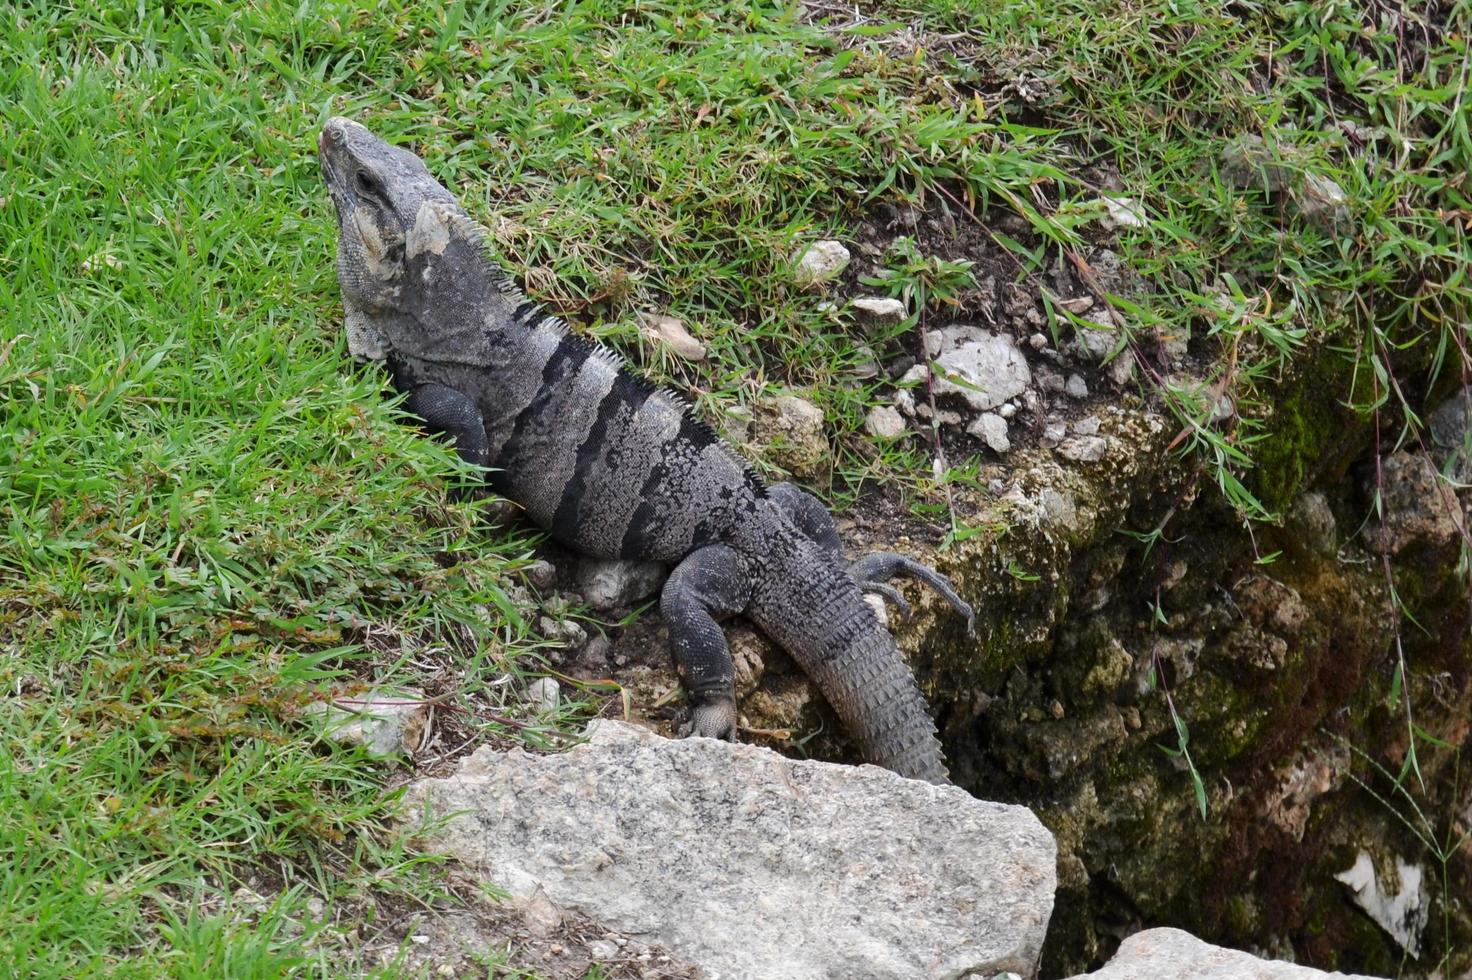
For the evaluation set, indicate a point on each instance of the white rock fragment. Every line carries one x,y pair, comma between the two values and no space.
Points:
991,429
603,949
942,415
614,583
1084,449
385,723
567,632
881,611
1096,342
1403,914
540,574
877,312
985,371
1037,341
545,693
1076,387
1008,411
97,262
899,878
1086,426
670,332
867,365
1054,433
1059,509
1122,212
883,422
1122,368
1322,201
820,262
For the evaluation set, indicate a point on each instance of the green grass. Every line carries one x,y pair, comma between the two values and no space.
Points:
205,506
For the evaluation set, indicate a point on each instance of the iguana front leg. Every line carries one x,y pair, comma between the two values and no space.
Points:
872,572
446,410
709,585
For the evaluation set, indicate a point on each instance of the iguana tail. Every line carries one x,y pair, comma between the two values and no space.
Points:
805,601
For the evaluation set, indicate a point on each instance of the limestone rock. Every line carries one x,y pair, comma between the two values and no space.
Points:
1451,421
1096,343
567,632
1084,449
1313,525
820,262
614,583
878,312
545,693
884,423
1122,212
670,332
751,864
790,430
1323,202
991,429
985,369
385,723
1247,161
1400,908
1451,425
1181,956
1418,507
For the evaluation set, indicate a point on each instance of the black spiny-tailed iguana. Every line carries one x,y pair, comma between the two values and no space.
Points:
610,464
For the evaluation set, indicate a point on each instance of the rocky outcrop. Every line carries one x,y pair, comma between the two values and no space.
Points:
1181,956
751,864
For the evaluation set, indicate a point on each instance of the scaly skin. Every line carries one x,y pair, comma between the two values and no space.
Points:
611,465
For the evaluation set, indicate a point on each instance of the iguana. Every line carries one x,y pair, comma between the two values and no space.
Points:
611,464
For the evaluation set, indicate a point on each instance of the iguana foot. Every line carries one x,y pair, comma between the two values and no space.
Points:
709,585
713,717
873,572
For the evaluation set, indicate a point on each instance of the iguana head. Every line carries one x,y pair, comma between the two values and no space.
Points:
379,191
413,266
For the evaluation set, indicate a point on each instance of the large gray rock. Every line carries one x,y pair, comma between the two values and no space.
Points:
1181,956
751,864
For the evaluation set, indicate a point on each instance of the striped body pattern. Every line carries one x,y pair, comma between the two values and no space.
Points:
612,465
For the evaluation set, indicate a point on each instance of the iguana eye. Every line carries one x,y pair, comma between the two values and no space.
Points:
368,184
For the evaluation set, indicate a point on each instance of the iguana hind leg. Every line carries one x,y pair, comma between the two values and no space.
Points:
709,585
809,514
873,571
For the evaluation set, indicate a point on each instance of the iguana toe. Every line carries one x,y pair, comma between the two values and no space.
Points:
713,718
889,594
